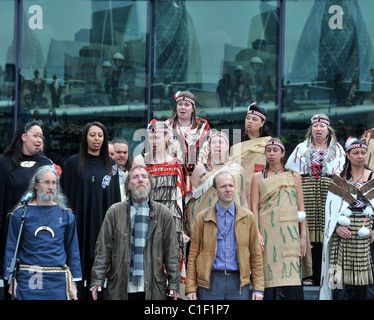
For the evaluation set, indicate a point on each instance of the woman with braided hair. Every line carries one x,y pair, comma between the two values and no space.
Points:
277,203
316,159
347,264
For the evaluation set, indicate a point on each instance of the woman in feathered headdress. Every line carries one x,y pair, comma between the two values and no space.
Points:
347,264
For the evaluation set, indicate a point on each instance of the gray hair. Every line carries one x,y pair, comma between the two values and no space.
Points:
127,182
60,197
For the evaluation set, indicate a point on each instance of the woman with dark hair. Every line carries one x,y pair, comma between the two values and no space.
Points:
347,264
90,181
250,152
21,159
277,203
189,131
316,159
255,123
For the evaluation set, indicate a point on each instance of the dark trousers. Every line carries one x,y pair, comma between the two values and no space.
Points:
224,287
284,293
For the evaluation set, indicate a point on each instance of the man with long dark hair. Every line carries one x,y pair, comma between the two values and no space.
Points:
90,181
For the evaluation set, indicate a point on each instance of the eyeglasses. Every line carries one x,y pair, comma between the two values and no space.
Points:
35,136
48,182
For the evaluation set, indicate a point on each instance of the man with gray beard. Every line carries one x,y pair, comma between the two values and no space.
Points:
136,250
48,254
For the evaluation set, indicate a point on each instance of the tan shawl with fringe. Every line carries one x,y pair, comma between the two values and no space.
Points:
278,222
250,155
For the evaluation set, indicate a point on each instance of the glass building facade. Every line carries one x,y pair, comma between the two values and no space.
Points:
69,62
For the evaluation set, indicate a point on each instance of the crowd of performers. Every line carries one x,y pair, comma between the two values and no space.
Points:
313,209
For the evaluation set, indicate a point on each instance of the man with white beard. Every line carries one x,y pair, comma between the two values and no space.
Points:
48,254
136,250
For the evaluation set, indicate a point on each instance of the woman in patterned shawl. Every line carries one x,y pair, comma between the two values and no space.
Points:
347,264
316,160
189,131
277,203
169,180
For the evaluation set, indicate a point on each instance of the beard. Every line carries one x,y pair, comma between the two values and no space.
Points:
142,193
46,196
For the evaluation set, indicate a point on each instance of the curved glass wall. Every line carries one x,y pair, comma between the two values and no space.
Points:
83,61
224,52
329,67
121,62
7,73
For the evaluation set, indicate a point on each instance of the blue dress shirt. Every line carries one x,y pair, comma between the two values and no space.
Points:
226,241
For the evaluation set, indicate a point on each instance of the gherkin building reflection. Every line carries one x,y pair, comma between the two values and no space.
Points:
324,53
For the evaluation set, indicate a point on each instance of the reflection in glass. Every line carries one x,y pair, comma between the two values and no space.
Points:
224,52
7,73
83,61
329,69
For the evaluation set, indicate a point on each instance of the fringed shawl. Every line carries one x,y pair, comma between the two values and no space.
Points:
203,197
300,159
250,155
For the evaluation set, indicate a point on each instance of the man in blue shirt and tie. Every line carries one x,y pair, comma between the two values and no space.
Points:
225,249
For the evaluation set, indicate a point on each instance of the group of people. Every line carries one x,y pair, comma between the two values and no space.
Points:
191,217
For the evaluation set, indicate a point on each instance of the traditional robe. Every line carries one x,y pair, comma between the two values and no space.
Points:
40,249
250,155
90,195
13,184
315,186
170,189
278,222
190,149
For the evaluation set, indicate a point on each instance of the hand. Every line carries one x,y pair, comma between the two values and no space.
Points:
191,296
186,238
303,246
95,290
257,296
262,243
371,235
174,294
343,232
10,291
74,290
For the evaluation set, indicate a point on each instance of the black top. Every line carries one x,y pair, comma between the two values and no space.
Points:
90,195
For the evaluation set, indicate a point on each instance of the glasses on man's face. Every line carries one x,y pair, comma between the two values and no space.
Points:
36,136
48,182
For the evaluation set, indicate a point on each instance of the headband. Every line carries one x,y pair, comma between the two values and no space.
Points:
316,118
219,134
257,113
352,143
275,143
183,98
156,129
